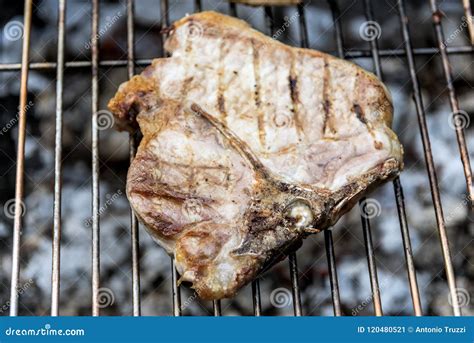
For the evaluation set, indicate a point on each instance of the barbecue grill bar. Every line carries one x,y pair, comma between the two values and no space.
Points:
424,135
366,229
352,54
95,160
397,187
133,151
58,161
95,64
462,150
469,19
20,160
175,291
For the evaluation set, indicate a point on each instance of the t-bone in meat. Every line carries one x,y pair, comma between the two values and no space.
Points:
248,146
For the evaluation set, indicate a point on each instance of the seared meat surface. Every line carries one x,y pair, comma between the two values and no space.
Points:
248,146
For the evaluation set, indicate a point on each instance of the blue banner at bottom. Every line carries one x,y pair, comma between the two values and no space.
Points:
237,329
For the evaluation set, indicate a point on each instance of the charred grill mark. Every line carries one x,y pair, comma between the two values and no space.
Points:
187,85
293,87
162,225
151,176
256,68
285,150
257,95
189,50
356,93
327,110
221,106
358,88
294,94
202,167
220,84
150,193
359,113
327,103
190,176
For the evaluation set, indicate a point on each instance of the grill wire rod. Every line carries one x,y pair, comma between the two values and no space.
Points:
56,254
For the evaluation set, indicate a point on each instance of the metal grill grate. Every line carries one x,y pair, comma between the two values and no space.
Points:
130,63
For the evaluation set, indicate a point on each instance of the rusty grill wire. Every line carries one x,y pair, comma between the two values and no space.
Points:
130,63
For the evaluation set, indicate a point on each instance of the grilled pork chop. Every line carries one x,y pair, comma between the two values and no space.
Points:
248,146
